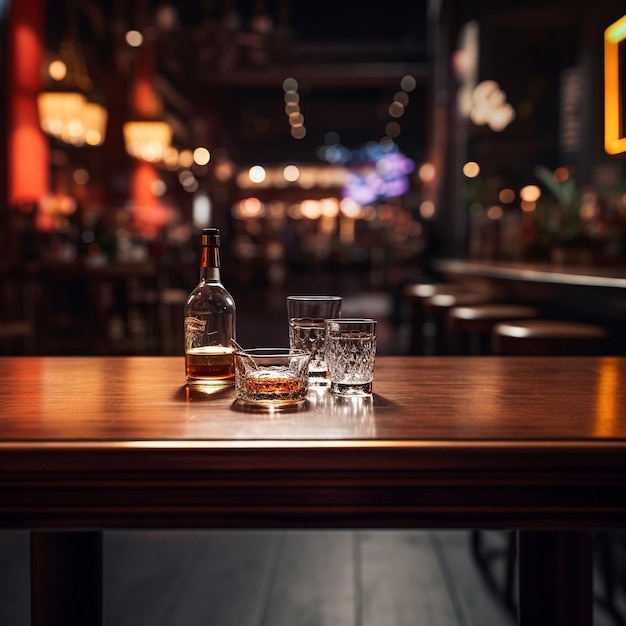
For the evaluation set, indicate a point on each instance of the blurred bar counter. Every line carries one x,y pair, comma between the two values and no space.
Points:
82,308
593,294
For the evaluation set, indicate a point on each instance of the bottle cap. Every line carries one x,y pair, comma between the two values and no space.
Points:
210,236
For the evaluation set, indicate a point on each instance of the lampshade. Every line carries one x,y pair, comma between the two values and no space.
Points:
95,121
59,110
147,140
65,112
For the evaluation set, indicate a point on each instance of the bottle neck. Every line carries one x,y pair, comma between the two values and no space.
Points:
210,264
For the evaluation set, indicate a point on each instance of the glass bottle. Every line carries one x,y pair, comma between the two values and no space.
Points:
209,321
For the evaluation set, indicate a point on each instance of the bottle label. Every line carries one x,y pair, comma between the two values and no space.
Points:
194,325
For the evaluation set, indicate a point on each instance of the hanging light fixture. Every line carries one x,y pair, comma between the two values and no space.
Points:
147,136
65,112
147,140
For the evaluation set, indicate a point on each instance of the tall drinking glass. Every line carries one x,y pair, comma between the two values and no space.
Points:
307,315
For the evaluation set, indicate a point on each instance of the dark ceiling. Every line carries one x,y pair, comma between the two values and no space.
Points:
220,66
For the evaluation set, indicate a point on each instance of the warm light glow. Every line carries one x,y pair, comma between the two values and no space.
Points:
296,119
142,177
304,177
256,174
427,209
57,110
58,204
494,212
330,207
27,159
501,117
396,109
158,187
530,193
147,140
134,38
65,111
506,196
311,209
607,404
94,123
224,171
614,139
57,70
561,174
308,178
471,169
527,206
350,208
250,207
80,176
191,184
489,106
201,156
426,172
170,158
291,173
188,181
67,115
185,158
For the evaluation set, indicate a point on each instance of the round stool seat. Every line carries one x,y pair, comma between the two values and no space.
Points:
438,305
482,317
416,294
443,302
420,291
548,337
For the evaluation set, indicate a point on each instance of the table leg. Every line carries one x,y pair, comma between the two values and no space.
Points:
555,578
66,578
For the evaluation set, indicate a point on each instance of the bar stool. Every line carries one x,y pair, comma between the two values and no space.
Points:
437,307
470,326
548,337
416,294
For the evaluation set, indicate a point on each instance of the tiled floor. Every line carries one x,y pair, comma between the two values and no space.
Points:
278,578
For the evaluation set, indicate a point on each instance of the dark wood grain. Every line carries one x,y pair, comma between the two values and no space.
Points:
445,442
526,443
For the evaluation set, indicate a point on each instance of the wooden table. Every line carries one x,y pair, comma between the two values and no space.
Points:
537,445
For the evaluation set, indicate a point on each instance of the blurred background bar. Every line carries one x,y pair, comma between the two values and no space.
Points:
339,147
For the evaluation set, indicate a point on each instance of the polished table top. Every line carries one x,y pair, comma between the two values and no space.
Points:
452,442
106,400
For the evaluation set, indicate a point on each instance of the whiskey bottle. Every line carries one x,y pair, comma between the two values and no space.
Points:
209,321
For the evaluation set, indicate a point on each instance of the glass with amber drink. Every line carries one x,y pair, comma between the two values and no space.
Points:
271,376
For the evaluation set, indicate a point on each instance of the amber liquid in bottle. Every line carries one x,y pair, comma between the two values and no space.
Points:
209,321
210,362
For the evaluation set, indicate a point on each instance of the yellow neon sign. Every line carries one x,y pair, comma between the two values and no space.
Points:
614,141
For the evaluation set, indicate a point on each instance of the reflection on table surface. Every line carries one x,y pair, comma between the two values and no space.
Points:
422,398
